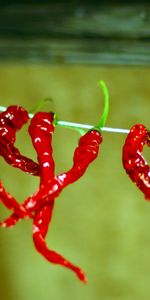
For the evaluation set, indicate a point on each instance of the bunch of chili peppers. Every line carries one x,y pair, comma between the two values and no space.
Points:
39,206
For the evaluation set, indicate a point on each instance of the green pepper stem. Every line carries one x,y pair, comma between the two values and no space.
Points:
40,104
104,116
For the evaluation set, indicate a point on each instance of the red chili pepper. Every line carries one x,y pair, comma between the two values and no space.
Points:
44,199
134,163
11,121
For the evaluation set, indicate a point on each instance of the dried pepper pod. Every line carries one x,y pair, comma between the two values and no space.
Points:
11,121
133,161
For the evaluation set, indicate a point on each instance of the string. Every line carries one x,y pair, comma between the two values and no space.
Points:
73,125
87,126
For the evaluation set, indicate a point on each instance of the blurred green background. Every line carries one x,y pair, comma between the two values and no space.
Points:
101,222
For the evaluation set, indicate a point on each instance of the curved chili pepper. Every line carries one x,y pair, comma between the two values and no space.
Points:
134,163
41,129
11,121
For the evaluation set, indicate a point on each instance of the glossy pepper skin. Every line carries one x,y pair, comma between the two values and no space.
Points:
133,161
40,205
11,121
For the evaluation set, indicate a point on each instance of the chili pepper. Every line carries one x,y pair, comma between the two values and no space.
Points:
41,135
85,153
133,161
11,121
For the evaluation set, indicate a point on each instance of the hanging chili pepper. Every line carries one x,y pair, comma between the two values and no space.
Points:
133,161
11,121
42,137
